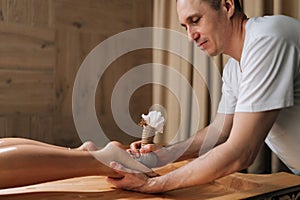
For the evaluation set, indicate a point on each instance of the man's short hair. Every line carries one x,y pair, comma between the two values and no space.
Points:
216,4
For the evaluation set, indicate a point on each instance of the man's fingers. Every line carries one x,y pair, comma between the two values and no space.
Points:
119,168
131,180
149,148
133,154
135,149
121,182
135,146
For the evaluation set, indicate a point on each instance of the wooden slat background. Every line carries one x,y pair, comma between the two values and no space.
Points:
42,44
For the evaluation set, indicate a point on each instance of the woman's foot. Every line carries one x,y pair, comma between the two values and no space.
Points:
88,146
115,152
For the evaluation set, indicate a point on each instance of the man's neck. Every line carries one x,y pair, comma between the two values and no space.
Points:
236,43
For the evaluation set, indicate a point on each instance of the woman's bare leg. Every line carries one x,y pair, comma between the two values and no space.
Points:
4,142
32,163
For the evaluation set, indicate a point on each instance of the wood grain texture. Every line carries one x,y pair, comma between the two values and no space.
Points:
235,186
43,43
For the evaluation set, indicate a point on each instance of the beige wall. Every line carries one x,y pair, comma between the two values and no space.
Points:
269,7
42,44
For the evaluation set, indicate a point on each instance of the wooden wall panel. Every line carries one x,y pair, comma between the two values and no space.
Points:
41,128
140,101
77,34
26,47
68,62
3,132
27,60
30,12
43,43
17,126
101,16
26,92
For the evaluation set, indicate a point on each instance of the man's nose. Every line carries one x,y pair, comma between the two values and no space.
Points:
193,35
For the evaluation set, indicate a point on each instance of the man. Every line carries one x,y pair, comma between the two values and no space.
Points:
260,96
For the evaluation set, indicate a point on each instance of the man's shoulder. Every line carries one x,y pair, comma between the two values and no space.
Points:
273,26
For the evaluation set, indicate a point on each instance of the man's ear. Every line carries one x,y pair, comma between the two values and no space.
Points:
230,7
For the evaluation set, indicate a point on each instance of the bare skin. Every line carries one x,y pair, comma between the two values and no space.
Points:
87,146
240,134
35,162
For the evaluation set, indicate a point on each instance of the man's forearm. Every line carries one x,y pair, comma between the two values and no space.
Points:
189,148
201,142
219,162
197,144
180,151
207,138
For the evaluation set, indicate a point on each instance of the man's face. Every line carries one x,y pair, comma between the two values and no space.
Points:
205,25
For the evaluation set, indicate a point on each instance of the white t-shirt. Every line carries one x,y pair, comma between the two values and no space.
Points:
267,78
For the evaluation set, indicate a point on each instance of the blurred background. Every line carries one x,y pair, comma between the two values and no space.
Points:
44,42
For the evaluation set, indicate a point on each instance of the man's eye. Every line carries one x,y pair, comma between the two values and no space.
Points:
195,20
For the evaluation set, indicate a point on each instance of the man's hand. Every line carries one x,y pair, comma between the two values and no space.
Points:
131,179
136,148
162,153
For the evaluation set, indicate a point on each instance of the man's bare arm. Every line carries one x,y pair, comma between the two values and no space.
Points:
217,132
248,133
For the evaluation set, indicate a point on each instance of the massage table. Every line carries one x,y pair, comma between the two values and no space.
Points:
281,186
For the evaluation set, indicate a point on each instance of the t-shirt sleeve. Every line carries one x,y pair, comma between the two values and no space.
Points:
228,99
267,77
